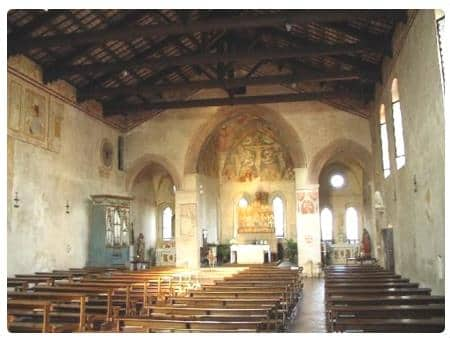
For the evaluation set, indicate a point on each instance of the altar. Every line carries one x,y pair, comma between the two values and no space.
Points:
249,253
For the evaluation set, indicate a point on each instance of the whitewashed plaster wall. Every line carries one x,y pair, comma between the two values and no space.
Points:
41,236
208,211
417,217
144,211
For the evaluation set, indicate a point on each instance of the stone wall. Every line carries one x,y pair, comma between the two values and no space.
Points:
414,195
53,158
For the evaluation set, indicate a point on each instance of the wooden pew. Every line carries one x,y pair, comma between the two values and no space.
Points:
80,297
35,305
159,325
376,292
92,291
369,285
388,311
389,325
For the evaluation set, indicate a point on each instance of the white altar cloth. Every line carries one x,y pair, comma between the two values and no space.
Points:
249,253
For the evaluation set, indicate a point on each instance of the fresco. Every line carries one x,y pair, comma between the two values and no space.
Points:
243,149
308,202
257,154
33,117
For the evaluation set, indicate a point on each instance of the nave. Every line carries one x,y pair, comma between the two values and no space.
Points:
207,170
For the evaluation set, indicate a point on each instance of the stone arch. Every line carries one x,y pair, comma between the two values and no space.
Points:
287,137
340,149
141,163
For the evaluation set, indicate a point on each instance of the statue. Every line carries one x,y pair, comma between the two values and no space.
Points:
211,259
140,248
365,244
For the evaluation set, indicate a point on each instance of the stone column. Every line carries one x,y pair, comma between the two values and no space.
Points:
187,232
308,222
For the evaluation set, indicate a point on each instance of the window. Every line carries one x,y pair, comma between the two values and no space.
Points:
326,224
243,202
278,216
351,224
337,181
398,127
384,143
167,223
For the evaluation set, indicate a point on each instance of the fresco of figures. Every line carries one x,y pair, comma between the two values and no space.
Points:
243,149
257,154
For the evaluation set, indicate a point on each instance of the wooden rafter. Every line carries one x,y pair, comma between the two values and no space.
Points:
90,93
110,110
209,58
241,22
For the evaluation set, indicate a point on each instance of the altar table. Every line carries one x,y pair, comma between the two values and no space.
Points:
249,253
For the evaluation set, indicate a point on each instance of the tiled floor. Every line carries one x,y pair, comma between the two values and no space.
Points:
310,316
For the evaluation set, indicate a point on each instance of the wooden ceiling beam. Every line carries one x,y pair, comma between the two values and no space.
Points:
357,63
63,61
114,109
41,18
377,43
233,22
208,58
91,93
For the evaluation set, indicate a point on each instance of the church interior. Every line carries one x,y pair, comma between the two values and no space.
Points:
225,170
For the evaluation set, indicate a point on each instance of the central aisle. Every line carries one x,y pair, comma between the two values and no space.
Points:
310,315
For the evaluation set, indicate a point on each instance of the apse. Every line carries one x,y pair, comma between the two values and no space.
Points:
244,157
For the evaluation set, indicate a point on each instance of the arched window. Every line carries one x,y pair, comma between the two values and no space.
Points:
326,224
278,216
384,143
351,224
167,223
243,202
400,157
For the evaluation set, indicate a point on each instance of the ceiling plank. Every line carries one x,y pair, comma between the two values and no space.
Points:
65,60
90,93
208,58
110,110
41,18
239,22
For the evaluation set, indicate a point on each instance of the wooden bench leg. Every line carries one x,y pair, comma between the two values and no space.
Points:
45,320
82,325
109,306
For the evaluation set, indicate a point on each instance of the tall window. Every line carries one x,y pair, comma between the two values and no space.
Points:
384,143
278,216
326,224
167,223
243,203
398,127
351,224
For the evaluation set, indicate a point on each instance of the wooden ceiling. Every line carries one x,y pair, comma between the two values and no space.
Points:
138,63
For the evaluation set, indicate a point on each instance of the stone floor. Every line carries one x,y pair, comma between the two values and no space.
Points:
310,312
